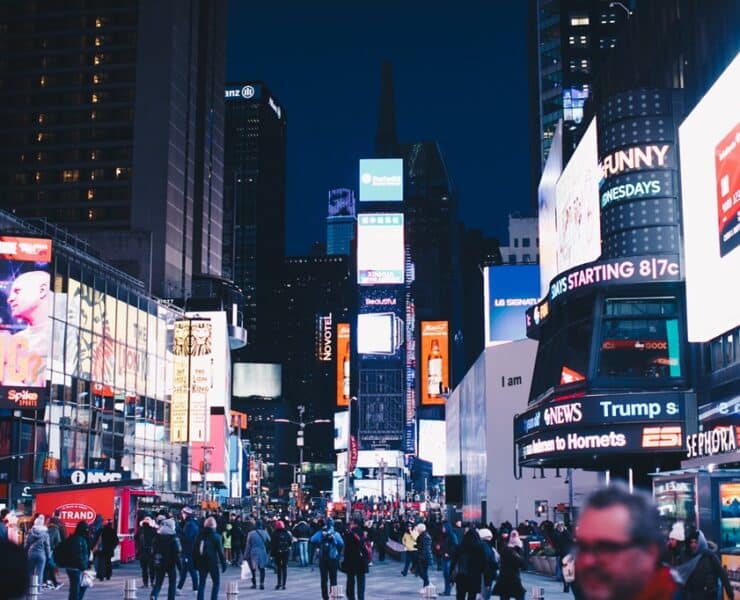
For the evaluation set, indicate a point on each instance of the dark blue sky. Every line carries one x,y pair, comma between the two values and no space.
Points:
460,77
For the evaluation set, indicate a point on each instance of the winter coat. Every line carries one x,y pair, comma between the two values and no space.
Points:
467,564
168,545
509,581
82,553
409,542
424,544
277,536
448,541
302,531
355,555
145,541
188,534
237,537
108,540
490,569
256,551
55,536
381,533
561,542
208,550
227,538
319,535
37,542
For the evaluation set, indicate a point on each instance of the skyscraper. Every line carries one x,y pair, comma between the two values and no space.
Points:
112,125
341,222
254,207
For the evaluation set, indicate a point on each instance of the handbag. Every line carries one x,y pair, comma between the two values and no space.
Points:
246,571
87,578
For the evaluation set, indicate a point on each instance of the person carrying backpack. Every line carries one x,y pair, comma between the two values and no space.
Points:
166,555
356,560
189,531
208,555
144,540
256,552
73,554
425,556
330,545
282,542
491,563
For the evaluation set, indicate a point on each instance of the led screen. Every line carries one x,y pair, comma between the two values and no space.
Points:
25,321
434,361
508,291
258,380
577,205
380,252
375,333
432,445
546,211
343,364
381,180
341,430
710,179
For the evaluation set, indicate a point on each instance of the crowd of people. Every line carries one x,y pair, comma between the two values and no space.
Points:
617,552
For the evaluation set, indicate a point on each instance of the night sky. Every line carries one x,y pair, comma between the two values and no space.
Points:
460,77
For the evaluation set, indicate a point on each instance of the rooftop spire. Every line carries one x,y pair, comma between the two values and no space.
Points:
386,142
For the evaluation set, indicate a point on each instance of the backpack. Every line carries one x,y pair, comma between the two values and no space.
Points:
285,542
66,554
329,546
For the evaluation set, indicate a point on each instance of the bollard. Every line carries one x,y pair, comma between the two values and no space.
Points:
232,590
538,593
33,591
335,592
129,589
430,591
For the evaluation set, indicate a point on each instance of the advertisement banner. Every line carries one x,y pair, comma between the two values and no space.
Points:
341,430
324,338
546,210
381,180
380,249
435,363
508,290
343,364
180,382
710,195
25,324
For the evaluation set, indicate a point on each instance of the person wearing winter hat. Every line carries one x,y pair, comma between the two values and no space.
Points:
280,546
166,556
144,541
492,560
38,548
425,556
210,556
675,552
509,583
702,571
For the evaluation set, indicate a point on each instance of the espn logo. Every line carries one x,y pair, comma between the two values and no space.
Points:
662,437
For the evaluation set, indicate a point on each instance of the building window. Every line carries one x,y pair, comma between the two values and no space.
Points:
90,194
516,242
526,242
527,258
70,175
579,20
512,259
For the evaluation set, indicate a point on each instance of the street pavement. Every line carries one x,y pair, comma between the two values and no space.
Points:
383,582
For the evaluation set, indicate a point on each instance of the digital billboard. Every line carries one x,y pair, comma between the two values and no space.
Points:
343,364
508,291
379,333
380,249
25,323
324,338
381,180
710,180
341,430
546,211
435,361
433,445
257,380
577,210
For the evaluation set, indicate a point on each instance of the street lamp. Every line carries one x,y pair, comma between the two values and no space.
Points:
622,6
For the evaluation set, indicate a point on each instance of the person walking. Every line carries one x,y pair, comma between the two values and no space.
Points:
466,565
107,546
424,556
78,559
166,555
562,542
144,541
55,538
448,546
409,544
280,547
492,561
226,537
675,552
356,560
258,541
189,531
302,533
381,538
702,572
237,542
330,545
208,557
38,549
509,583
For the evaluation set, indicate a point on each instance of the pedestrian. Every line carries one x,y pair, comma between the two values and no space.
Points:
330,545
226,537
208,556
466,566
55,538
562,542
94,536
166,556
107,546
702,571
509,582
448,545
13,571
258,541
38,549
424,554
302,533
189,531
4,524
492,561
381,538
280,552
356,560
618,546
675,552
144,541
237,542
409,544
56,520
78,559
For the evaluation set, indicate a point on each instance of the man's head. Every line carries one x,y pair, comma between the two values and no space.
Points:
618,544
28,297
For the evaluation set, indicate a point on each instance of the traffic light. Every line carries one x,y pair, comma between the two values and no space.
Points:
541,508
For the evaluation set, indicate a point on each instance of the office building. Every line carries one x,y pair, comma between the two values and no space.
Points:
254,208
524,241
112,126
341,222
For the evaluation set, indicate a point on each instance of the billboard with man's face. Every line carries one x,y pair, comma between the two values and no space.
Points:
25,323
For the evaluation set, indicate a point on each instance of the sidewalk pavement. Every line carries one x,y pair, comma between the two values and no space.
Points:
384,582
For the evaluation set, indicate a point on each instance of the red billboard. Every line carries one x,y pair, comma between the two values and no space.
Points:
435,379
343,355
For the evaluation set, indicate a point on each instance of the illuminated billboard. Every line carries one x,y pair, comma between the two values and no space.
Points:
324,338
433,445
577,211
25,323
508,290
343,364
435,361
381,180
710,179
380,250
379,333
546,211
257,380
341,430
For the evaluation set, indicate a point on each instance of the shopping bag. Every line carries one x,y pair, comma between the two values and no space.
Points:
87,578
246,570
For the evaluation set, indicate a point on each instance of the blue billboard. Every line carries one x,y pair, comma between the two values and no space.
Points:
381,180
508,291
